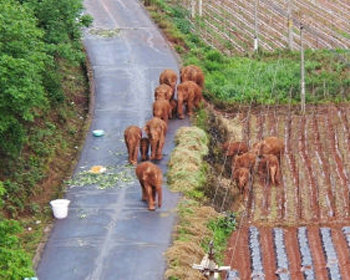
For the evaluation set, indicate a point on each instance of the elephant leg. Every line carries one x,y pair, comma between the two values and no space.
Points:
190,107
180,109
160,195
129,152
153,149
144,193
151,206
154,193
273,176
278,177
160,148
135,151
132,156
165,116
170,113
245,192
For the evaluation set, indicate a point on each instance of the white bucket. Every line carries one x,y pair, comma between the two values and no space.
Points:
60,208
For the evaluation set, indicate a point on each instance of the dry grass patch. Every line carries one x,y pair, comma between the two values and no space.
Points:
191,232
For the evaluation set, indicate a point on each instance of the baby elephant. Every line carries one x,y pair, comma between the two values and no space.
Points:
163,91
192,73
241,176
270,145
156,130
169,78
269,168
162,109
234,148
144,147
150,177
246,160
132,137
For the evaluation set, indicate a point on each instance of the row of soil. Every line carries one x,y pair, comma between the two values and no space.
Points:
315,167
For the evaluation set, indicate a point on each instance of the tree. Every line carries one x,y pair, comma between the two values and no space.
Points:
22,64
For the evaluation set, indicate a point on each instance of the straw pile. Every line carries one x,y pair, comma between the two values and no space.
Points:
185,168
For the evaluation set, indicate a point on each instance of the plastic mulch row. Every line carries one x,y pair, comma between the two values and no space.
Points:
306,257
281,255
255,254
331,255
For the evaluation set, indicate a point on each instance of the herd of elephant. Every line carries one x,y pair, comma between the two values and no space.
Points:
266,153
265,157
165,107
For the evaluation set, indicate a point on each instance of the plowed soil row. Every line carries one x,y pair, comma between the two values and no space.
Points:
315,167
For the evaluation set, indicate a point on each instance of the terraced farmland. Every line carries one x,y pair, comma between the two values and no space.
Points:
299,229
229,24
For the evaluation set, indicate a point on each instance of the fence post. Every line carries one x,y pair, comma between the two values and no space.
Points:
193,11
256,30
200,8
302,93
290,24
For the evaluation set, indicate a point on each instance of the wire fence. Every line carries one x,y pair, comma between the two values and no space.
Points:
230,24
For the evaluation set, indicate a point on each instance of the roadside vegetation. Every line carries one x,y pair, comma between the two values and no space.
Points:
43,111
256,78
199,222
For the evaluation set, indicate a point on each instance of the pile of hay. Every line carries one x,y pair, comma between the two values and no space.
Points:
191,232
185,167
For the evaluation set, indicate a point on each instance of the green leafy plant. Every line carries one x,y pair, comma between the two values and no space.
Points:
222,228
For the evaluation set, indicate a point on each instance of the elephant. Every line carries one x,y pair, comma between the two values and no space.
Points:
246,160
150,177
270,145
144,146
234,148
241,176
132,137
163,91
192,73
156,130
162,110
188,93
169,77
269,168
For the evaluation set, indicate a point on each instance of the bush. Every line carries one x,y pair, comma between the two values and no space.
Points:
15,263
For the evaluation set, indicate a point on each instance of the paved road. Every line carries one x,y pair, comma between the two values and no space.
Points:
109,234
